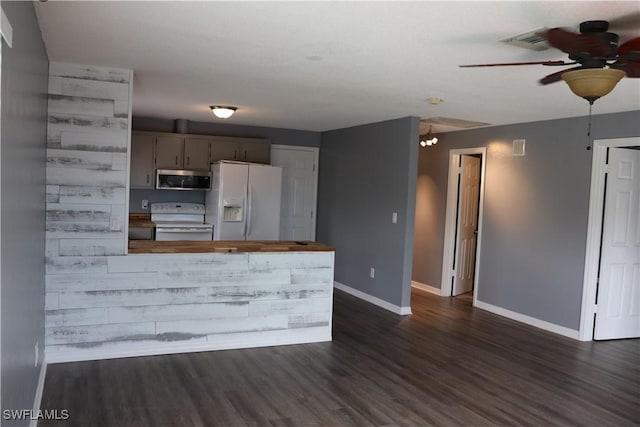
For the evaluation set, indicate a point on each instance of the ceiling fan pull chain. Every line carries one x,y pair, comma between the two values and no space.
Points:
589,129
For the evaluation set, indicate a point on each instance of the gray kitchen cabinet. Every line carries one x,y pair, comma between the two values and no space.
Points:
254,150
142,170
196,153
169,151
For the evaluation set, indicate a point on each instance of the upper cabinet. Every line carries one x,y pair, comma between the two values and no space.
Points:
142,168
253,150
158,150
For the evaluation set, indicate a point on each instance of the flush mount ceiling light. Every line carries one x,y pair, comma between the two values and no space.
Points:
223,111
428,140
592,83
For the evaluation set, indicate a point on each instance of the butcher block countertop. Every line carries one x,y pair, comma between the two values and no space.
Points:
142,220
191,246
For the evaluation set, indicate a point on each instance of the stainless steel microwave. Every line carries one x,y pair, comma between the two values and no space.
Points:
181,179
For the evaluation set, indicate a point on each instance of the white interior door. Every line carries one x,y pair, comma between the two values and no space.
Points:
618,312
299,180
467,228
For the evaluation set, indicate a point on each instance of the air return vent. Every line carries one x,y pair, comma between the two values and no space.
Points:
533,40
518,147
451,122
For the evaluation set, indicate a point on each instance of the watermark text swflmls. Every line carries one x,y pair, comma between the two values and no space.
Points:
30,414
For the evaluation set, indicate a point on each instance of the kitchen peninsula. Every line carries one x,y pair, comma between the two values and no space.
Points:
181,296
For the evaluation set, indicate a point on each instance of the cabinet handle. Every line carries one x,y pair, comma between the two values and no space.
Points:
147,178
235,154
245,154
176,160
188,160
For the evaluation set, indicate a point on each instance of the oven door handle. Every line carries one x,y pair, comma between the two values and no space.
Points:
181,230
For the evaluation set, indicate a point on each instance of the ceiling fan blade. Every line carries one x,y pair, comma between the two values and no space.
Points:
629,46
509,64
631,68
574,43
555,77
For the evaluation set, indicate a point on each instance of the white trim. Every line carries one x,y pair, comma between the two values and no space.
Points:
532,321
594,230
316,162
228,342
403,311
450,219
6,31
125,220
37,401
426,288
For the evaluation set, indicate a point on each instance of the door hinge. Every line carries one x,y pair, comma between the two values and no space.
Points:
311,214
314,167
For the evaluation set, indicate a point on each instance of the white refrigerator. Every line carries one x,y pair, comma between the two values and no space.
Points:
244,201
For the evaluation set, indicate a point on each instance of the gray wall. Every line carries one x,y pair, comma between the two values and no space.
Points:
24,121
535,213
367,173
276,135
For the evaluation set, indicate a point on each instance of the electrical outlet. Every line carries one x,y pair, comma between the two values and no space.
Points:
394,218
372,272
35,362
145,204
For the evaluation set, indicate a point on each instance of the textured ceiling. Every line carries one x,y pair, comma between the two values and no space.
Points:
327,65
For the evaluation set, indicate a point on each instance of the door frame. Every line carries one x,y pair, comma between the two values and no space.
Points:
594,230
316,168
453,193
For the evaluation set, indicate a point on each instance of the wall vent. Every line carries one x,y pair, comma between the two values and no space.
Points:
451,122
533,40
518,147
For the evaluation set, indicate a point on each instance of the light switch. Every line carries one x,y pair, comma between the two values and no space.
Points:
145,204
394,218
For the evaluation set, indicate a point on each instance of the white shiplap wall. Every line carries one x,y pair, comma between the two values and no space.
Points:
102,303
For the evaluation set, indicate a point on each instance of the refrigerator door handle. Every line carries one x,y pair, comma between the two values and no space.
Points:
249,212
245,219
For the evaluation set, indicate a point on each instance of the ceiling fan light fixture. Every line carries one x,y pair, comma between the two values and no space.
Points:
223,111
592,83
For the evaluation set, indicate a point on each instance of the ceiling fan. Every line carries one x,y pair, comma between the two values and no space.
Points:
594,48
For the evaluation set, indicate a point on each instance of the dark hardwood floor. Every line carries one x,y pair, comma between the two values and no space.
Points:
446,365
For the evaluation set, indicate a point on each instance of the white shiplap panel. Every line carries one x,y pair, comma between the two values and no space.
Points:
101,282
90,247
53,193
295,306
75,265
77,194
89,72
258,292
87,124
262,261
121,108
89,141
312,275
97,178
173,262
51,248
130,298
80,105
77,213
95,89
119,162
80,159
76,317
178,312
100,333
309,320
177,278
63,230
51,300
55,85
223,326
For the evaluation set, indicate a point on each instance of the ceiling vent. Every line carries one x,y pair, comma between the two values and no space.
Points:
533,40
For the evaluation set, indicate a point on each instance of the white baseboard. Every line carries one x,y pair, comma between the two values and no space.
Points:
37,400
403,311
532,321
426,288
222,342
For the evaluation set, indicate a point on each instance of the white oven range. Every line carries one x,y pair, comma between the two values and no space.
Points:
180,221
